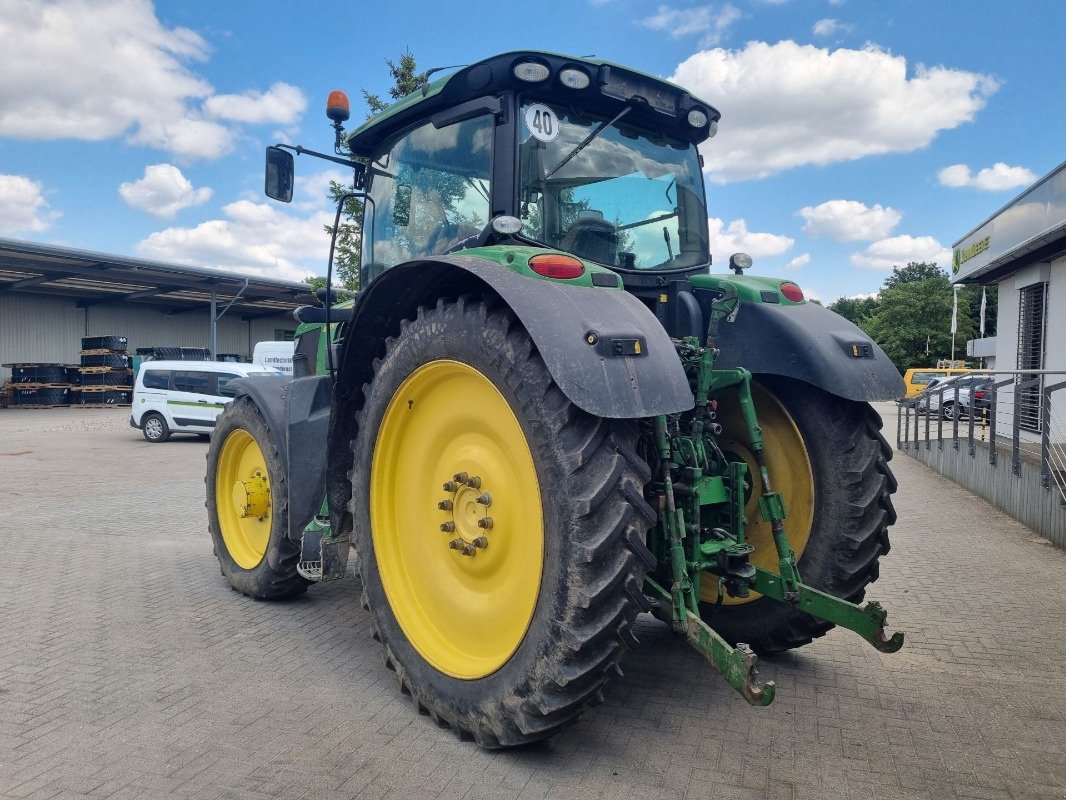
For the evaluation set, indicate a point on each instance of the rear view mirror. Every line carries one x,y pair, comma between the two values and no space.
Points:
280,173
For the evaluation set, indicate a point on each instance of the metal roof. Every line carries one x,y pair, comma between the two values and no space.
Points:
95,278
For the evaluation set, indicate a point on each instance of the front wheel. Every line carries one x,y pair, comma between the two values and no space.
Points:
247,506
500,529
827,458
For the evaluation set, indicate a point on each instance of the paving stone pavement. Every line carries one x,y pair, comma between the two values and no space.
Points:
128,669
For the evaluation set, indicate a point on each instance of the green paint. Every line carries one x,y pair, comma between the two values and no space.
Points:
195,404
748,287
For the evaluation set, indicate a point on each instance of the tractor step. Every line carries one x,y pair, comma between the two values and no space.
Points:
311,570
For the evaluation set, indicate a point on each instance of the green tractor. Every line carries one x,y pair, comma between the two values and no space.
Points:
543,414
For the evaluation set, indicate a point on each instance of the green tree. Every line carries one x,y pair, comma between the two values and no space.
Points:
912,322
856,309
405,79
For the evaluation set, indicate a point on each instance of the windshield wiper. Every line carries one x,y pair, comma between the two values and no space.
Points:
585,142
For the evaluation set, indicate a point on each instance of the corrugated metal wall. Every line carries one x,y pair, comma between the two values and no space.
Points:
39,327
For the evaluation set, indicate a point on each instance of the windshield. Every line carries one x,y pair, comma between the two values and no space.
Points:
621,198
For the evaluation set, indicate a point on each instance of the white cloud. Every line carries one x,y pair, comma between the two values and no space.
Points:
281,104
22,205
849,220
102,69
678,22
736,238
256,237
828,27
898,251
991,179
798,262
785,105
163,191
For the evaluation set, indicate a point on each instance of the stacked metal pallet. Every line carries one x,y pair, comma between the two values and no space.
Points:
40,385
105,376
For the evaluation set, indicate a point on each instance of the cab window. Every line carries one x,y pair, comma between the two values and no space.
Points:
157,379
196,382
430,193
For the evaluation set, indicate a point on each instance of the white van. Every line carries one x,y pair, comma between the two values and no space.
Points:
274,355
184,396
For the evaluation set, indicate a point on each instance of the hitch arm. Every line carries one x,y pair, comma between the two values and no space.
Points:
738,665
868,621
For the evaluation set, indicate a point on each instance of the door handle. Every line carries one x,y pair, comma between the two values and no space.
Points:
202,401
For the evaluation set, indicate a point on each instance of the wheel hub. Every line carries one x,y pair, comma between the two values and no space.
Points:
467,509
251,498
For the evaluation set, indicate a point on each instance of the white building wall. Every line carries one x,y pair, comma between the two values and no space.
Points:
45,328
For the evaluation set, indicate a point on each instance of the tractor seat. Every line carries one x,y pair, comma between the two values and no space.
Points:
592,237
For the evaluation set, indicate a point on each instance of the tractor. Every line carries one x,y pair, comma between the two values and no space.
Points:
543,414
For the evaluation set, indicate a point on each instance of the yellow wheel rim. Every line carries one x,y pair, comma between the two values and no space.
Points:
790,474
242,498
449,455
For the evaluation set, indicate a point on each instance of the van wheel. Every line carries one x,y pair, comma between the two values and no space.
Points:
154,428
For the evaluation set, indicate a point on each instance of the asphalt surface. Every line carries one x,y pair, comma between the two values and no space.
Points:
128,669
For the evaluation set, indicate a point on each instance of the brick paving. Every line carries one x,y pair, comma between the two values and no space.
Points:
129,670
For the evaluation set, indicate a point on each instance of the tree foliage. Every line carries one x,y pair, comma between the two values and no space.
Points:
405,79
856,309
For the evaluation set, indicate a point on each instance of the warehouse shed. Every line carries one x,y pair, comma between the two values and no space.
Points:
51,297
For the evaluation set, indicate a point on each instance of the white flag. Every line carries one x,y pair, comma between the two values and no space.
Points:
984,305
955,311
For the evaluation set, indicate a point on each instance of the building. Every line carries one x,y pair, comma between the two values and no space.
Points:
1021,249
50,297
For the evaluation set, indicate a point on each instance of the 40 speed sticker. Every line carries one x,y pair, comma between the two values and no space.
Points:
542,122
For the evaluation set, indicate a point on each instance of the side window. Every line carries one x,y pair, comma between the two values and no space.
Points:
157,379
430,191
198,382
223,384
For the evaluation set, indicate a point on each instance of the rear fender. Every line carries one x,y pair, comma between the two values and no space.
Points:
812,344
559,318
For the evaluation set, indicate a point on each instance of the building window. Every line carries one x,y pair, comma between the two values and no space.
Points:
1032,320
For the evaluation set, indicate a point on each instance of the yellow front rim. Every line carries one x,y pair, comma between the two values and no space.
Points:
790,474
242,498
451,454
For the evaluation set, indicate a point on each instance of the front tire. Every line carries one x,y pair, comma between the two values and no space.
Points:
247,506
837,488
509,639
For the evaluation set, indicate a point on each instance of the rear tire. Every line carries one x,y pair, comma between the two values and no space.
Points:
593,521
154,428
262,564
849,528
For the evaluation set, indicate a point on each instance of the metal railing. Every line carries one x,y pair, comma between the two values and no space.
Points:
1023,410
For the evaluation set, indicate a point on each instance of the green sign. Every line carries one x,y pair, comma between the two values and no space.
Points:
959,256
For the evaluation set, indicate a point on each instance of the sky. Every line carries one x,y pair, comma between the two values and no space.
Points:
855,135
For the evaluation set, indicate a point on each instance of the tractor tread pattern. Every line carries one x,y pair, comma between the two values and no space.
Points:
608,555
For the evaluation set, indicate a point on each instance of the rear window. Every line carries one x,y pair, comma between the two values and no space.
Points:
157,379
198,382
223,384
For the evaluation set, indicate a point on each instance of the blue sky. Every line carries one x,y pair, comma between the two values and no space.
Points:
855,135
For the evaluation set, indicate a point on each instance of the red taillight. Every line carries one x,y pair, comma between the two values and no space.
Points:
792,291
553,265
980,394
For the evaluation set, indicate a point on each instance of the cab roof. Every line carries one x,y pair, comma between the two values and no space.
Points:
656,103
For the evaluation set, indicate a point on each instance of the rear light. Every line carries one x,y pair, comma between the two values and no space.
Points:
792,291
553,265
980,394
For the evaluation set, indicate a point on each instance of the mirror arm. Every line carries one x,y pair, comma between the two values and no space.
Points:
304,151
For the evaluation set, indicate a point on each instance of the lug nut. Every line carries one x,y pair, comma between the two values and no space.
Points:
445,505
480,541
485,499
451,486
469,550
455,544
460,477
485,522
474,483
447,527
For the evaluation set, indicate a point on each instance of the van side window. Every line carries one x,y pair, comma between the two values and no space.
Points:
223,384
198,382
157,379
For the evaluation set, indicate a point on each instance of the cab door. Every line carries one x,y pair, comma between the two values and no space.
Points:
193,403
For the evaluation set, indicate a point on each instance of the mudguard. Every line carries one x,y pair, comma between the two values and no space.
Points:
812,344
297,414
604,348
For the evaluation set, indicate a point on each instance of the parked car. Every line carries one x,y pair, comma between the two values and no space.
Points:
919,379
939,396
184,396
